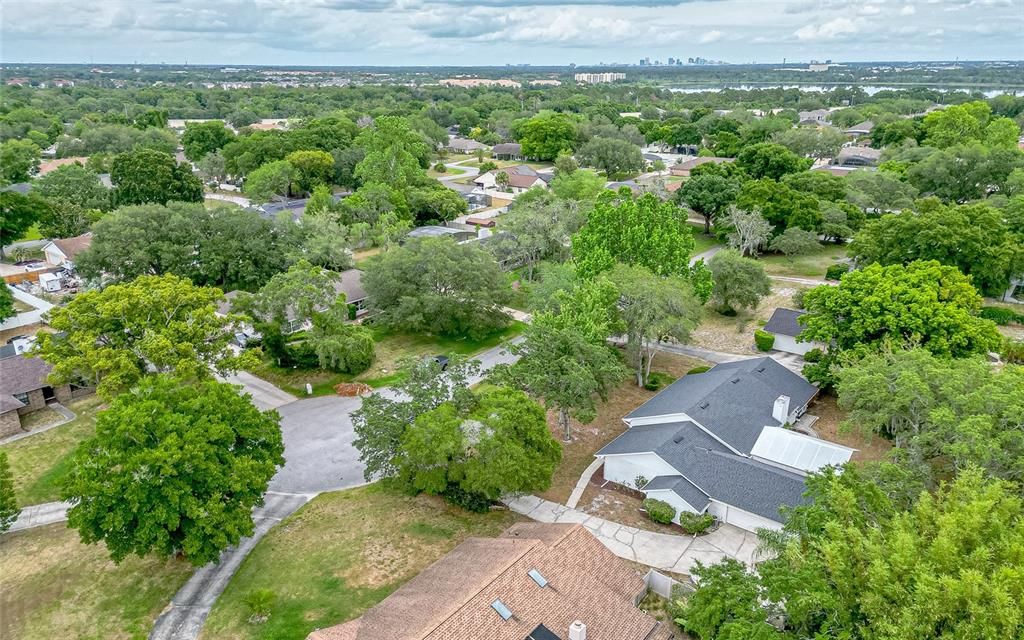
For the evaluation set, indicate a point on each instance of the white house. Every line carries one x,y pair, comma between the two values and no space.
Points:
784,326
62,251
715,442
521,178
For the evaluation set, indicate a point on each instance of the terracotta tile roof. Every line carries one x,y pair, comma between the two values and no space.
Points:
451,599
49,165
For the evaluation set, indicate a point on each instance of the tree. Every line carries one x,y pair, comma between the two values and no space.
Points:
312,168
811,142
794,241
822,184
739,281
922,302
17,215
581,186
536,231
393,153
8,503
653,310
143,175
750,231
325,243
66,219
382,420
839,221
565,164
339,345
501,445
965,172
611,155
781,205
767,160
243,118
546,134
212,167
709,195
956,124
645,231
436,204
74,183
271,180
173,469
201,138
7,309
111,338
294,296
728,605
437,286
879,191
19,159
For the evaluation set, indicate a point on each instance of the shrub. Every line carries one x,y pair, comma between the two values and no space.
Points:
1001,316
1013,351
658,380
440,168
696,370
798,298
259,602
488,166
814,355
475,502
695,523
836,271
640,481
659,510
353,310
764,340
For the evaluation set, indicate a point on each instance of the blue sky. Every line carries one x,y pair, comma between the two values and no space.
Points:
495,32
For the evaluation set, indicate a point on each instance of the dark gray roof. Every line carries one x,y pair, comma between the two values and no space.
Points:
18,187
661,483
783,322
682,488
513,148
641,438
734,400
21,374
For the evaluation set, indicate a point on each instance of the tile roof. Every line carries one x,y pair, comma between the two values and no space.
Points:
784,322
451,599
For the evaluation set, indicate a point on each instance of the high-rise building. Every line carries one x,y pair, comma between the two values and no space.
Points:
671,61
643,62
598,78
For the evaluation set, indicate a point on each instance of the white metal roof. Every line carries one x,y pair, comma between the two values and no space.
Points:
797,450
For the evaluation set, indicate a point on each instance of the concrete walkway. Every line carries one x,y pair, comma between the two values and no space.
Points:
581,484
705,255
677,553
184,617
40,515
39,306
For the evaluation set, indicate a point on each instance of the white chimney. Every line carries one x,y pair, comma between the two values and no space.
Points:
577,631
781,409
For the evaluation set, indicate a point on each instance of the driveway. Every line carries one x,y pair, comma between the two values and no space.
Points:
263,394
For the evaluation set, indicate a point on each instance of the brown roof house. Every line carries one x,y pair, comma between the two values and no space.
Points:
538,581
62,251
24,389
521,178
684,168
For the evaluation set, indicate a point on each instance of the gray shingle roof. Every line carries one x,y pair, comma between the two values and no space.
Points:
21,374
734,400
641,438
783,322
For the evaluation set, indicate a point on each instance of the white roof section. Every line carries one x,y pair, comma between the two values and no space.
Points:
798,451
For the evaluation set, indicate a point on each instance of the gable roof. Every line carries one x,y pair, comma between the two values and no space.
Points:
21,374
696,162
351,284
507,148
734,400
784,322
865,126
466,144
71,247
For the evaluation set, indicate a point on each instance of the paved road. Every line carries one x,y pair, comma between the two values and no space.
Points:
705,255
264,395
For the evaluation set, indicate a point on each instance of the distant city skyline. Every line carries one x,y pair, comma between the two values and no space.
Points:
498,32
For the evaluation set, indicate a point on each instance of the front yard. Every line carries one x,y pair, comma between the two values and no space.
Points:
56,587
736,334
809,266
341,554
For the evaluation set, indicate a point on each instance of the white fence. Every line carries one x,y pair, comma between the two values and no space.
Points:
665,586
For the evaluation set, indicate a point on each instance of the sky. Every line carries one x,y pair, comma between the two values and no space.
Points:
498,32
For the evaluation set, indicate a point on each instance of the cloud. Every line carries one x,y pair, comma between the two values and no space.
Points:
870,10
828,31
711,36
908,10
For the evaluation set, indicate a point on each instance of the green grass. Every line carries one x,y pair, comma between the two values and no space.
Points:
809,266
32,233
449,171
341,554
390,348
703,242
40,462
56,587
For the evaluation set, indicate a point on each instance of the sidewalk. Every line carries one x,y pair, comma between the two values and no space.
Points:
40,515
663,551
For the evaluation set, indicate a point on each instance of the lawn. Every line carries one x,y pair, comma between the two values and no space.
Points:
809,266
56,587
390,348
449,171
40,462
341,554
703,242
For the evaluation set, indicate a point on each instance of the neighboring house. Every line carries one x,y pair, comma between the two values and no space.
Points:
62,251
24,389
508,151
536,582
465,145
784,326
684,168
862,129
436,231
858,157
629,184
521,178
47,166
815,117
715,442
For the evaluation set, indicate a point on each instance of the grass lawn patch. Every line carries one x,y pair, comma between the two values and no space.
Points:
341,554
703,242
449,171
587,439
809,266
40,462
735,334
363,256
56,587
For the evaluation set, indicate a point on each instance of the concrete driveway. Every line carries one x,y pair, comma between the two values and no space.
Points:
263,394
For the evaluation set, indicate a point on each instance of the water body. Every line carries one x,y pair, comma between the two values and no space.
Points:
871,90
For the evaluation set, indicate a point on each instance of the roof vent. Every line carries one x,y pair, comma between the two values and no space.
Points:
502,610
577,631
760,369
734,380
703,404
679,437
538,578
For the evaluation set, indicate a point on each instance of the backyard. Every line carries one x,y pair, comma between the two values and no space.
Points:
341,554
735,334
808,266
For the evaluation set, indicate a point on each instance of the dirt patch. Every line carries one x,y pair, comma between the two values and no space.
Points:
352,389
606,502
736,334
381,562
830,417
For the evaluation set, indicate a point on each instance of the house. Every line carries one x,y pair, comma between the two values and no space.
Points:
684,168
437,231
52,165
858,157
536,582
351,284
715,443
629,184
784,326
465,145
816,117
862,129
62,251
508,151
520,178
24,388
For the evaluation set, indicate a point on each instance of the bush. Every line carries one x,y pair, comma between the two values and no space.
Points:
1001,316
347,349
440,168
1013,351
696,370
658,380
814,355
259,602
836,271
659,510
798,298
695,523
488,166
764,340
353,311
475,502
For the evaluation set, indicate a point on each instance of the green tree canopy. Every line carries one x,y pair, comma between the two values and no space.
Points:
201,138
709,195
173,468
144,176
17,215
611,155
74,183
271,180
19,159
738,281
768,160
546,134
312,168
781,205
393,153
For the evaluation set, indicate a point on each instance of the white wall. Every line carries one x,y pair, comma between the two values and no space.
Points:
671,497
625,468
790,345
740,518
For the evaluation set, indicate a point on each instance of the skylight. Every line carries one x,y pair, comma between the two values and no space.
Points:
538,578
502,610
